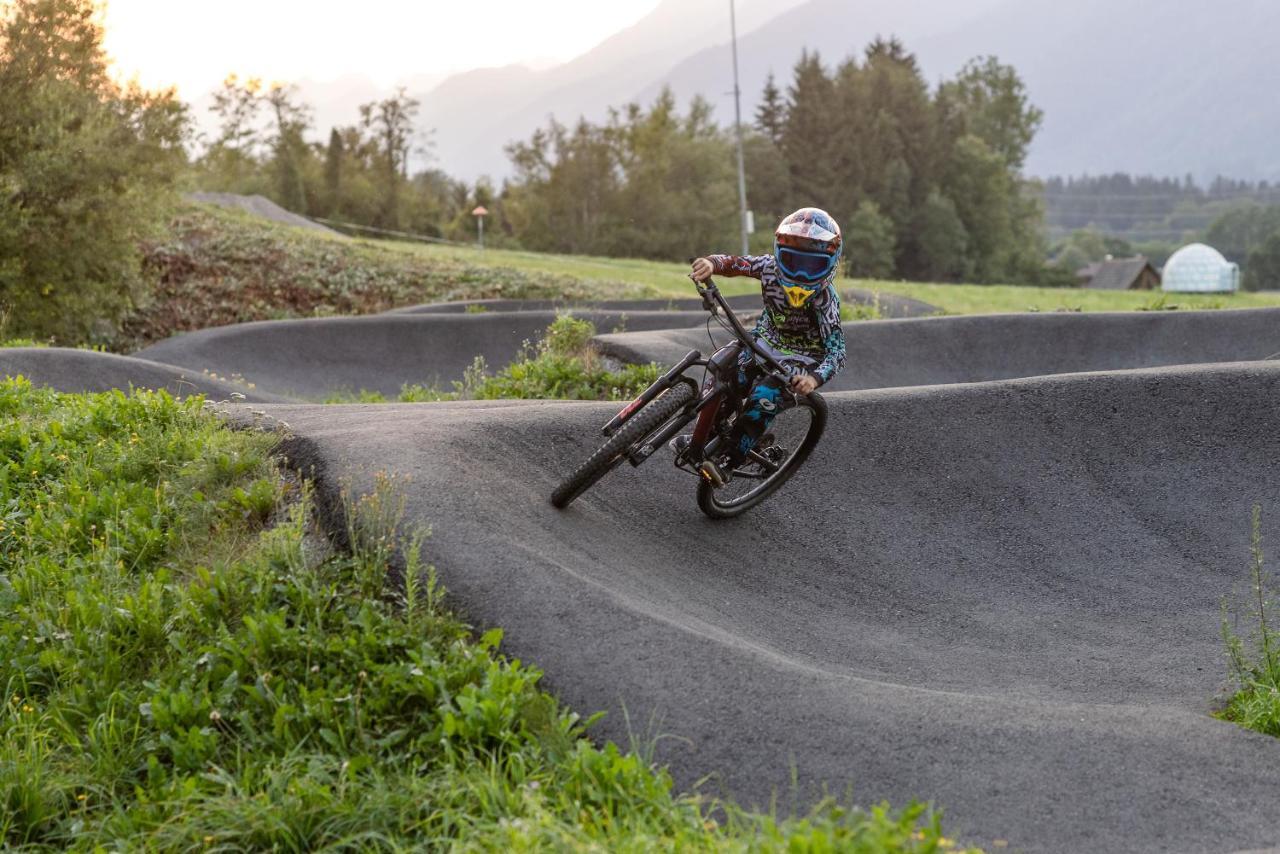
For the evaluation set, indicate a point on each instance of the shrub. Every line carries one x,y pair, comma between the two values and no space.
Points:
85,171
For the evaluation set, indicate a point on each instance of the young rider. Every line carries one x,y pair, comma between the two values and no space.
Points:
801,318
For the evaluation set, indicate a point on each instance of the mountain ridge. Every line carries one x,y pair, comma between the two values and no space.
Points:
1165,87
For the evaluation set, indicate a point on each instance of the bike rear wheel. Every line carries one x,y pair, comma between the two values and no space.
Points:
791,437
611,453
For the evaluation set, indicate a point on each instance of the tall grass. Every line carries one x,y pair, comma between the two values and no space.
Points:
188,665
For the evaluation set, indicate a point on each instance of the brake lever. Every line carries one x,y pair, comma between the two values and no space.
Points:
707,302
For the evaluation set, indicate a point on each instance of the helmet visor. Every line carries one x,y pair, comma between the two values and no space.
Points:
805,266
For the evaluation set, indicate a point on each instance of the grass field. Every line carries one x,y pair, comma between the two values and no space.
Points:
668,279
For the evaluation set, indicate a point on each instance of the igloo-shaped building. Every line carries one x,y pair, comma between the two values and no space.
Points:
1200,269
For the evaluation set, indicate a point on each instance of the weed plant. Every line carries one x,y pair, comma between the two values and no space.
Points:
1254,649
187,666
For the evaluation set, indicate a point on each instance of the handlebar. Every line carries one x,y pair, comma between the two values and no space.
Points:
714,302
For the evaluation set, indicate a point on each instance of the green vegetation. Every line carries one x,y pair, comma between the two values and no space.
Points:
187,666
934,172
562,365
86,167
993,299
927,180
216,267
1255,656
668,279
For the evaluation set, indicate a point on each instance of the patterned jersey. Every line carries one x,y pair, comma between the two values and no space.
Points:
812,330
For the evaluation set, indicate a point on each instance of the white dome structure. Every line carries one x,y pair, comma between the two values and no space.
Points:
1200,269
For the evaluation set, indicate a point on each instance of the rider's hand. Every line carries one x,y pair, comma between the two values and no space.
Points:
702,269
803,383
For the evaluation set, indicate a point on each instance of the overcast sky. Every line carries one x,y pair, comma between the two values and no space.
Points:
195,45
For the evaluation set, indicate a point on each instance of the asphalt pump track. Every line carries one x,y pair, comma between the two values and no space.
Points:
1000,595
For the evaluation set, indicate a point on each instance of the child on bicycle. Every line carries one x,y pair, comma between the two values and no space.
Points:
800,321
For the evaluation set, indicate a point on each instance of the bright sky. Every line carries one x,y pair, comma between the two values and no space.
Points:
194,45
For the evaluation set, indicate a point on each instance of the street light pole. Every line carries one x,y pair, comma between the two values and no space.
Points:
737,124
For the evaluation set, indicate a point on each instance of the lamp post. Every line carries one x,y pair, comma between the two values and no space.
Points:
744,216
480,213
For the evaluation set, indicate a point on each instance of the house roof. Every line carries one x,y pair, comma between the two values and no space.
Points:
1119,274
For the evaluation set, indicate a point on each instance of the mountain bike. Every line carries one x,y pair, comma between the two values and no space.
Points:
676,399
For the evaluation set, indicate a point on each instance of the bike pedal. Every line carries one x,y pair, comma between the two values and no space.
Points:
711,472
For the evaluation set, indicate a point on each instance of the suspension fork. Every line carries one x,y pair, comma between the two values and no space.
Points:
664,382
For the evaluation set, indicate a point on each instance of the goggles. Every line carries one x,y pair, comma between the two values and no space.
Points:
804,267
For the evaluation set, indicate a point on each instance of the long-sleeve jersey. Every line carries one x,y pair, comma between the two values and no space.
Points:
812,330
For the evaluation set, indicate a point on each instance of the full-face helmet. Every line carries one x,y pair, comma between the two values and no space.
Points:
807,247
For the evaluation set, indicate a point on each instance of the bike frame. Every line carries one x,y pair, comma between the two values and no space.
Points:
706,408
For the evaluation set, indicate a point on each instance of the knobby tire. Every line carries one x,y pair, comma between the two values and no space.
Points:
611,453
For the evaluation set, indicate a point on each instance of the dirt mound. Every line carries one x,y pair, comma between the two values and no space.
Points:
87,371
1001,597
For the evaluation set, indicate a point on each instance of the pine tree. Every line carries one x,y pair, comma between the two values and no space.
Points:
807,140
771,114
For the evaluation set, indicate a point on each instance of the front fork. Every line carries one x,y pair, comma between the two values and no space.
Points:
664,382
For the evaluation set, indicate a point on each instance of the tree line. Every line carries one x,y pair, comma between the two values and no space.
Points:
1142,208
926,182
1122,216
359,175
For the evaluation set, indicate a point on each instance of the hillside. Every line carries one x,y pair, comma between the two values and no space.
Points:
216,267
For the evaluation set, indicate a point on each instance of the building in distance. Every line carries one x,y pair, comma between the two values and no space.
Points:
1197,268
1120,274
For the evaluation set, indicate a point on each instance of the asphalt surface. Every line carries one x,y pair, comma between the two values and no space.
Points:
314,358
941,350
739,303
88,371
1002,597
263,207
889,305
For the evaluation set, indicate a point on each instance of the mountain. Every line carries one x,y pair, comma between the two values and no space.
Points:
1167,87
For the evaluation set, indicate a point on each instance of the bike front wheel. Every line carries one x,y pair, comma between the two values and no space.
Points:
670,404
791,437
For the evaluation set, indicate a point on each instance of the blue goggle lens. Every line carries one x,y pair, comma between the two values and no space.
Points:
810,266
